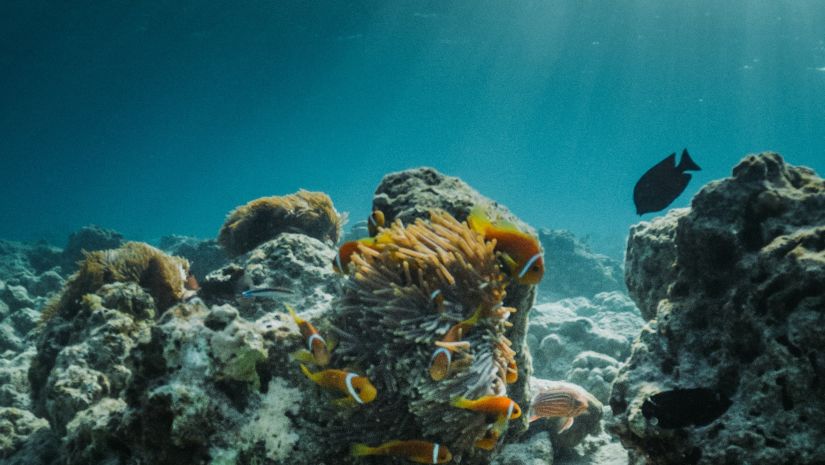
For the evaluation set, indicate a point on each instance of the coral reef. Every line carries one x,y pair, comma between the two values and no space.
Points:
15,428
574,270
131,367
292,261
309,213
733,289
583,341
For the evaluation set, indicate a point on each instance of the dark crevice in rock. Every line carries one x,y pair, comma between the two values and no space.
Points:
787,401
794,350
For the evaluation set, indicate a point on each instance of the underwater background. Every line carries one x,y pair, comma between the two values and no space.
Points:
158,117
357,232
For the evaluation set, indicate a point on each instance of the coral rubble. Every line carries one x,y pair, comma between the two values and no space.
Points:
309,213
733,288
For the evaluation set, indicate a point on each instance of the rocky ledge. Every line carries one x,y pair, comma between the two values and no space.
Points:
730,367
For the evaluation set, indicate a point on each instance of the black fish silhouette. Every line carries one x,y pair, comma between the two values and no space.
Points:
660,185
684,407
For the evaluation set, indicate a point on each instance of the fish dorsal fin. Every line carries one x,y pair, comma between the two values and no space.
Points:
686,163
669,160
478,220
298,320
508,226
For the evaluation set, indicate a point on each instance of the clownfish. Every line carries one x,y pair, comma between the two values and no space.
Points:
344,256
414,451
442,356
358,389
489,441
503,407
491,437
315,343
375,221
521,252
565,400
512,372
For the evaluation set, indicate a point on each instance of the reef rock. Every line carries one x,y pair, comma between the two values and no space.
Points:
296,262
535,450
573,270
730,367
308,213
411,194
583,341
204,256
88,239
16,426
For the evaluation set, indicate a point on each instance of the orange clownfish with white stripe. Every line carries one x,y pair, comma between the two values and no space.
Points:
415,451
451,342
358,389
520,251
503,407
344,256
316,344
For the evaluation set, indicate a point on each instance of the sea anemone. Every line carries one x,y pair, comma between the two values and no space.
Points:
389,325
163,276
309,213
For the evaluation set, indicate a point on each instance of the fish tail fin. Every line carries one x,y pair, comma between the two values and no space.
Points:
568,422
298,320
360,450
312,376
303,356
478,220
686,163
460,402
475,316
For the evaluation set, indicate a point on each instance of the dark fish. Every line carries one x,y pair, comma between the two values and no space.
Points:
660,185
684,407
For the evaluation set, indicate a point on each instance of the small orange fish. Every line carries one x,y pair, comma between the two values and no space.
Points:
344,256
521,252
315,343
565,400
512,372
489,441
375,222
442,356
500,406
358,389
191,283
414,451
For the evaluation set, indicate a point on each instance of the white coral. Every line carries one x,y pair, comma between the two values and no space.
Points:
271,425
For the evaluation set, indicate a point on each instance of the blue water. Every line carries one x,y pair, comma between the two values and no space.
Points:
158,117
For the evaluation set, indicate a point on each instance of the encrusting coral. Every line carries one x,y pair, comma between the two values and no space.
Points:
404,293
309,213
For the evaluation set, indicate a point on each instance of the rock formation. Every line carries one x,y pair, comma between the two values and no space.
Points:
730,367
574,270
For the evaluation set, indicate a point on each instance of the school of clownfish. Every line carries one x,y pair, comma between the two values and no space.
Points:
521,257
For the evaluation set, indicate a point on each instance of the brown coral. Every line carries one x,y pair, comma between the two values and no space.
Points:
389,326
163,276
309,213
